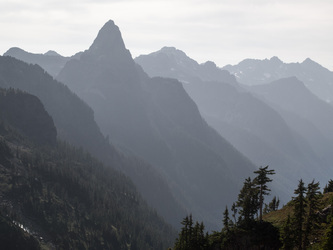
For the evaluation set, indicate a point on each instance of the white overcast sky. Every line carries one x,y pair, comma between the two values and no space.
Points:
223,31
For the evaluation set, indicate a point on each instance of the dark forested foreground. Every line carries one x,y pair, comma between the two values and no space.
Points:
306,222
66,199
54,196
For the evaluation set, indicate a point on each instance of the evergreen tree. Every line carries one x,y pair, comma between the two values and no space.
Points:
226,219
234,212
272,206
261,181
328,239
329,187
312,196
299,213
248,201
191,238
287,235
183,241
199,238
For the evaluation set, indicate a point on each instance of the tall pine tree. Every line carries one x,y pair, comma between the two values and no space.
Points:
311,223
226,219
261,181
299,213
248,202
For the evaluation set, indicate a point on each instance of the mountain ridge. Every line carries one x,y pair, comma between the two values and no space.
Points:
58,196
315,77
75,123
252,125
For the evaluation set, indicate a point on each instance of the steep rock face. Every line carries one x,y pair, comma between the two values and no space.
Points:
156,119
27,114
315,77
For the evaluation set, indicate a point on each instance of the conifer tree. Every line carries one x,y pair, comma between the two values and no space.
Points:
226,219
328,239
261,181
234,212
248,201
191,237
312,196
183,240
272,206
299,213
287,234
199,238
329,187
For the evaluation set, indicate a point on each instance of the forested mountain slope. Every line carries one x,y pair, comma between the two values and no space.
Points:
61,196
74,121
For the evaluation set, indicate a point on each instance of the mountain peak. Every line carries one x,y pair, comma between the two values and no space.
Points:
309,64
170,49
108,41
173,51
308,60
51,53
275,59
209,64
14,51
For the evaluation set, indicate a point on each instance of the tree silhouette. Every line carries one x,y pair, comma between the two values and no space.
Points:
261,181
312,195
248,202
299,212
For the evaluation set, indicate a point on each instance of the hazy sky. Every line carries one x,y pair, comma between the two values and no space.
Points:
223,31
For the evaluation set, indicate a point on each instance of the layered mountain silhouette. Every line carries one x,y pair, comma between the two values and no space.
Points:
50,61
157,120
303,111
315,77
57,196
73,118
174,63
74,121
280,123
253,126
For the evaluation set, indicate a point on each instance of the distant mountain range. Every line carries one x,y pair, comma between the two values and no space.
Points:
304,112
315,77
174,63
50,61
260,130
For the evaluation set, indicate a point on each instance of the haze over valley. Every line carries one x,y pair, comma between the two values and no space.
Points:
100,150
